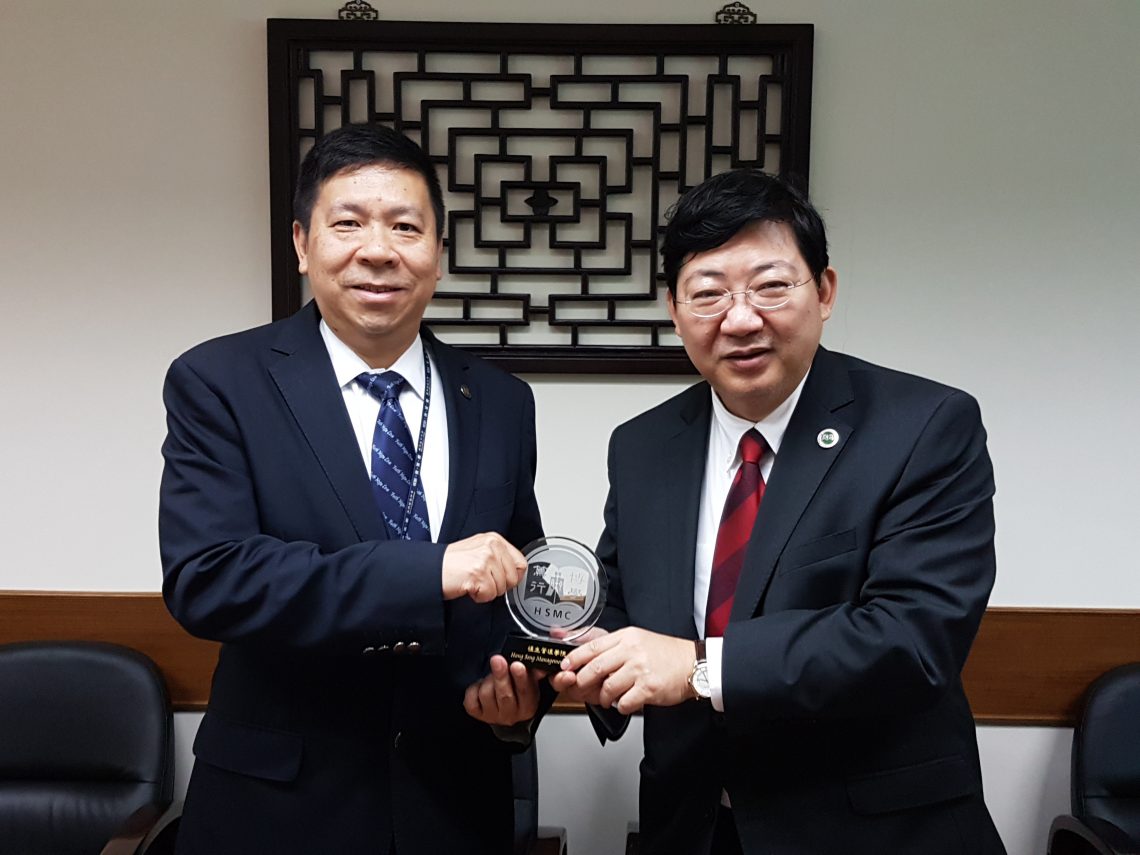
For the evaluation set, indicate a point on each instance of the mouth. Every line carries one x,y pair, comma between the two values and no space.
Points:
748,352
747,357
375,289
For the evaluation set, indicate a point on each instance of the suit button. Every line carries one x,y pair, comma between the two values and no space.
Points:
396,741
368,651
414,647
382,648
399,647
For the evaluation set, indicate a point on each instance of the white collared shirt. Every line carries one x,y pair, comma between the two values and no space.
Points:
363,410
722,460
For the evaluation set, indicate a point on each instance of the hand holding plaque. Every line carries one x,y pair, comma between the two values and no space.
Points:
560,597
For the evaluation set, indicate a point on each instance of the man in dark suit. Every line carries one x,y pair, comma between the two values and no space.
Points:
347,533
800,552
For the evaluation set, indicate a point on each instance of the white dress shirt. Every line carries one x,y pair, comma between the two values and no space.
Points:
363,410
722,460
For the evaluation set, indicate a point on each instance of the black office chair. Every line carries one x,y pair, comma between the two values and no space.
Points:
1105,784
86,749
530,837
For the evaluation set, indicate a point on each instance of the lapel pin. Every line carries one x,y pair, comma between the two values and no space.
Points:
465,391
827,437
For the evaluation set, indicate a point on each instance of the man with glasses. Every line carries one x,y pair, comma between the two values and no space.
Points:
800,551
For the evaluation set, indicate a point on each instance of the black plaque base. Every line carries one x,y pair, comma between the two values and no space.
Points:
544,653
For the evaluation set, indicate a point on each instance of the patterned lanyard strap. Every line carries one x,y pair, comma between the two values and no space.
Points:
419,450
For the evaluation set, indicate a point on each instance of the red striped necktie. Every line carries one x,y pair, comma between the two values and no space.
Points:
735,529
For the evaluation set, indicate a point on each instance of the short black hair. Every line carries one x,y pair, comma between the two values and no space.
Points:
711,213
354,146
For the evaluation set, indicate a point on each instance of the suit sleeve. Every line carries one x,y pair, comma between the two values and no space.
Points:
927,577
226,580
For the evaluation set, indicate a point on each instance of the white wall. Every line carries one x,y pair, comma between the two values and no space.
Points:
976,163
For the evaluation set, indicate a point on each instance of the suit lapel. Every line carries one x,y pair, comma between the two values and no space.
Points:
680,480
305,378
800,468
463,423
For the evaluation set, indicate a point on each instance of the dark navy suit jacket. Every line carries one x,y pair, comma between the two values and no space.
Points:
870,564
335,719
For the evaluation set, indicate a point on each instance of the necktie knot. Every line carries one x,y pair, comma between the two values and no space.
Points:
752,446
382,387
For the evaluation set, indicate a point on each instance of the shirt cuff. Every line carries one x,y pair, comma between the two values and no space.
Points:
714,655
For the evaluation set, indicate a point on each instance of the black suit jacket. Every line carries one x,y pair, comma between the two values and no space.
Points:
335,719
845,727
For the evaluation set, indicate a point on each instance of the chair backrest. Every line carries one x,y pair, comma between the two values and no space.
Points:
1106,751
85,740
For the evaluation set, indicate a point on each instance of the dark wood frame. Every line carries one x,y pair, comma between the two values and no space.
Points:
1028,665
288,39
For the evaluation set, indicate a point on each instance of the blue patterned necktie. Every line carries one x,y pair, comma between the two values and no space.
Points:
394,461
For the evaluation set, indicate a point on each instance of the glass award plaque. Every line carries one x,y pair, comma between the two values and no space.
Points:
560,598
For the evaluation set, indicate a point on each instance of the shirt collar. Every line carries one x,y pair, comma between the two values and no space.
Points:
347,365
772,427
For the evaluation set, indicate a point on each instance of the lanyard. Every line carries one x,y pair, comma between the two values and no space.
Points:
403,530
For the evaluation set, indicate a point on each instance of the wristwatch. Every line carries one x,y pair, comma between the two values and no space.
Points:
699,679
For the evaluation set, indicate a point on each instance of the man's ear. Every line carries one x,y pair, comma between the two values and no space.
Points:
828,286
301,245
671,305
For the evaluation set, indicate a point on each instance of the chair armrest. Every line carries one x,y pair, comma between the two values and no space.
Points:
130,834
551,840
1113,836
632,837
164,835
1069,835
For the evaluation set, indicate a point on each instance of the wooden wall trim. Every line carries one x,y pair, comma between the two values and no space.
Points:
1028,665
140,621
1032,666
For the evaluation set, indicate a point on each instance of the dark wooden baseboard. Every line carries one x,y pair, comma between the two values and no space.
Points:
1028,665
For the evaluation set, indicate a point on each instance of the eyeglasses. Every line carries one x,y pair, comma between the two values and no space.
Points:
766,296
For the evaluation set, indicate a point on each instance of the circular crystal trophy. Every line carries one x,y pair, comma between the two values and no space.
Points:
560,598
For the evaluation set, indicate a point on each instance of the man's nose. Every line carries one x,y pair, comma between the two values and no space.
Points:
741,316
376,247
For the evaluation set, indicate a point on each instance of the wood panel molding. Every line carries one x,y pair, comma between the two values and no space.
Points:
1032,666
139,621
1028,665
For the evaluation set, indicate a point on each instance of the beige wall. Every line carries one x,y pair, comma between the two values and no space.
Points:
976,162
